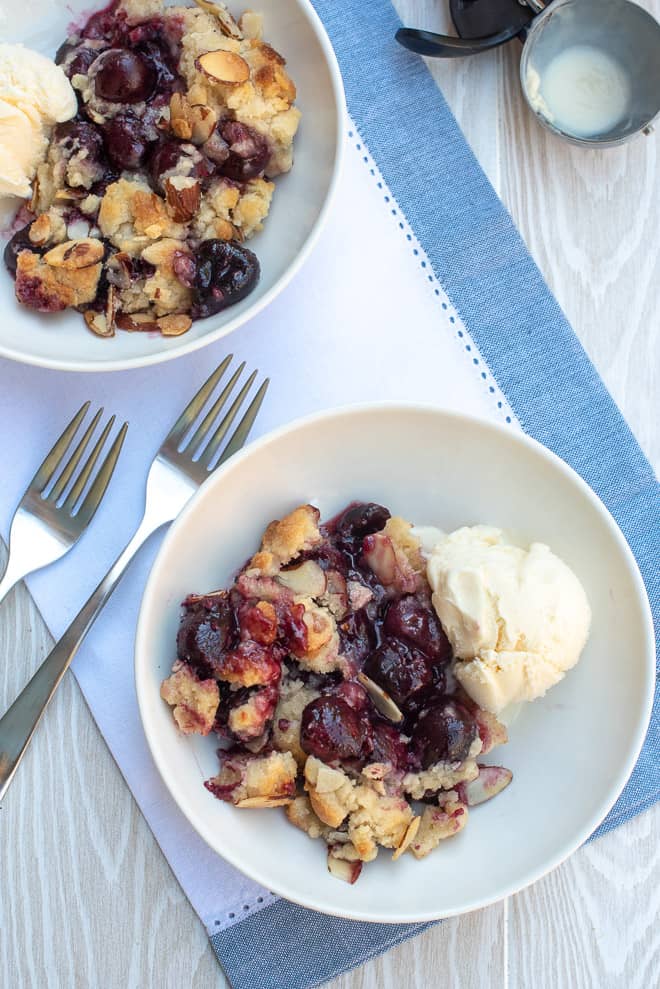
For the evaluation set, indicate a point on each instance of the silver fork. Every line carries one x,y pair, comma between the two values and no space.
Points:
51,516
180,466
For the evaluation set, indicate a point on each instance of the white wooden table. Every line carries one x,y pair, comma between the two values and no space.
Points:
87,898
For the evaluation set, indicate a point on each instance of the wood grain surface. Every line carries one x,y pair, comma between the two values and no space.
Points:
87,899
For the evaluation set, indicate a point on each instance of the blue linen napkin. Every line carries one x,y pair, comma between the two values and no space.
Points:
483,265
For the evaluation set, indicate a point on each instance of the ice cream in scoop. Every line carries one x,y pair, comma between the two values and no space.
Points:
35,94
517,619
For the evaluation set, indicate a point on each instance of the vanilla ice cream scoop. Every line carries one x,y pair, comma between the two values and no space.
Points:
517,619
34,94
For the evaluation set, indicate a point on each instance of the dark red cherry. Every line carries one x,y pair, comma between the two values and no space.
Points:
389,746
206,632
248,151
399,670
360,520
175,158
77,59
125,140
19,242
408,618
226,273
332,730
444,733
124,76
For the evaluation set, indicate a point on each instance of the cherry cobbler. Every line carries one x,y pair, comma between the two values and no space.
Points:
140,211
327,676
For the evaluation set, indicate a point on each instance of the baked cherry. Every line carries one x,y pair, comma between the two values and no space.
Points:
226,273
398,669
207,631
408,619
389,746
19,242
77,58
248,151
123,76
331,729
175,158
360,520
125,140
160,58
444,732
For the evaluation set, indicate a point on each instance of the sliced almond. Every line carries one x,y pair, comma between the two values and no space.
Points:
224,66
136,322
341,869
41,230
409,835
98,324
308,579
183,196
227,23
175,325
256,802
73,254
251,24
180,119
71,195
381,699
204,120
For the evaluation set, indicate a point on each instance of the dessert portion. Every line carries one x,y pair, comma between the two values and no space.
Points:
142,202
35,94
328,679
517,619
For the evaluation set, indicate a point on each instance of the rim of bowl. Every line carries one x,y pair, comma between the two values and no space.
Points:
159,357
636,742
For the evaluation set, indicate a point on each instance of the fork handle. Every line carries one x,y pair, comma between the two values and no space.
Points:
18,724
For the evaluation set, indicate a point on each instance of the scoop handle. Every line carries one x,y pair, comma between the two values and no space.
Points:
445,46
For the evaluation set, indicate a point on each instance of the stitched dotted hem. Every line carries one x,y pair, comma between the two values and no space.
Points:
426,268
240,912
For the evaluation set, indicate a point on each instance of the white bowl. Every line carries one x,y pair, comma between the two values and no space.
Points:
300,204
571,752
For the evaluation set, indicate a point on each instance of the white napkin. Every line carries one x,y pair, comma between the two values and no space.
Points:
363,320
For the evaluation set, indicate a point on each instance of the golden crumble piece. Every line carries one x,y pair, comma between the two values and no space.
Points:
271,776
377,820
195,701
248,721
491,731
300,814
441,776
49,288
438,823
294,698
401,534
331,792
131,216
296,533
163,290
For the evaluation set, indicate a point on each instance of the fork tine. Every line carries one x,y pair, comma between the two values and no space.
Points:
47,468
97,490
77,489
220,433
202,430
195,406
74,460
245,425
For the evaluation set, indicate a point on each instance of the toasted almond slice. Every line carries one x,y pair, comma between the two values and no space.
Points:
224,66
308,579
183,195
74,254
203,120
264,802
409,835
40,230
341,869
71,195
382,700
227,23
98,324
174,325
136,322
